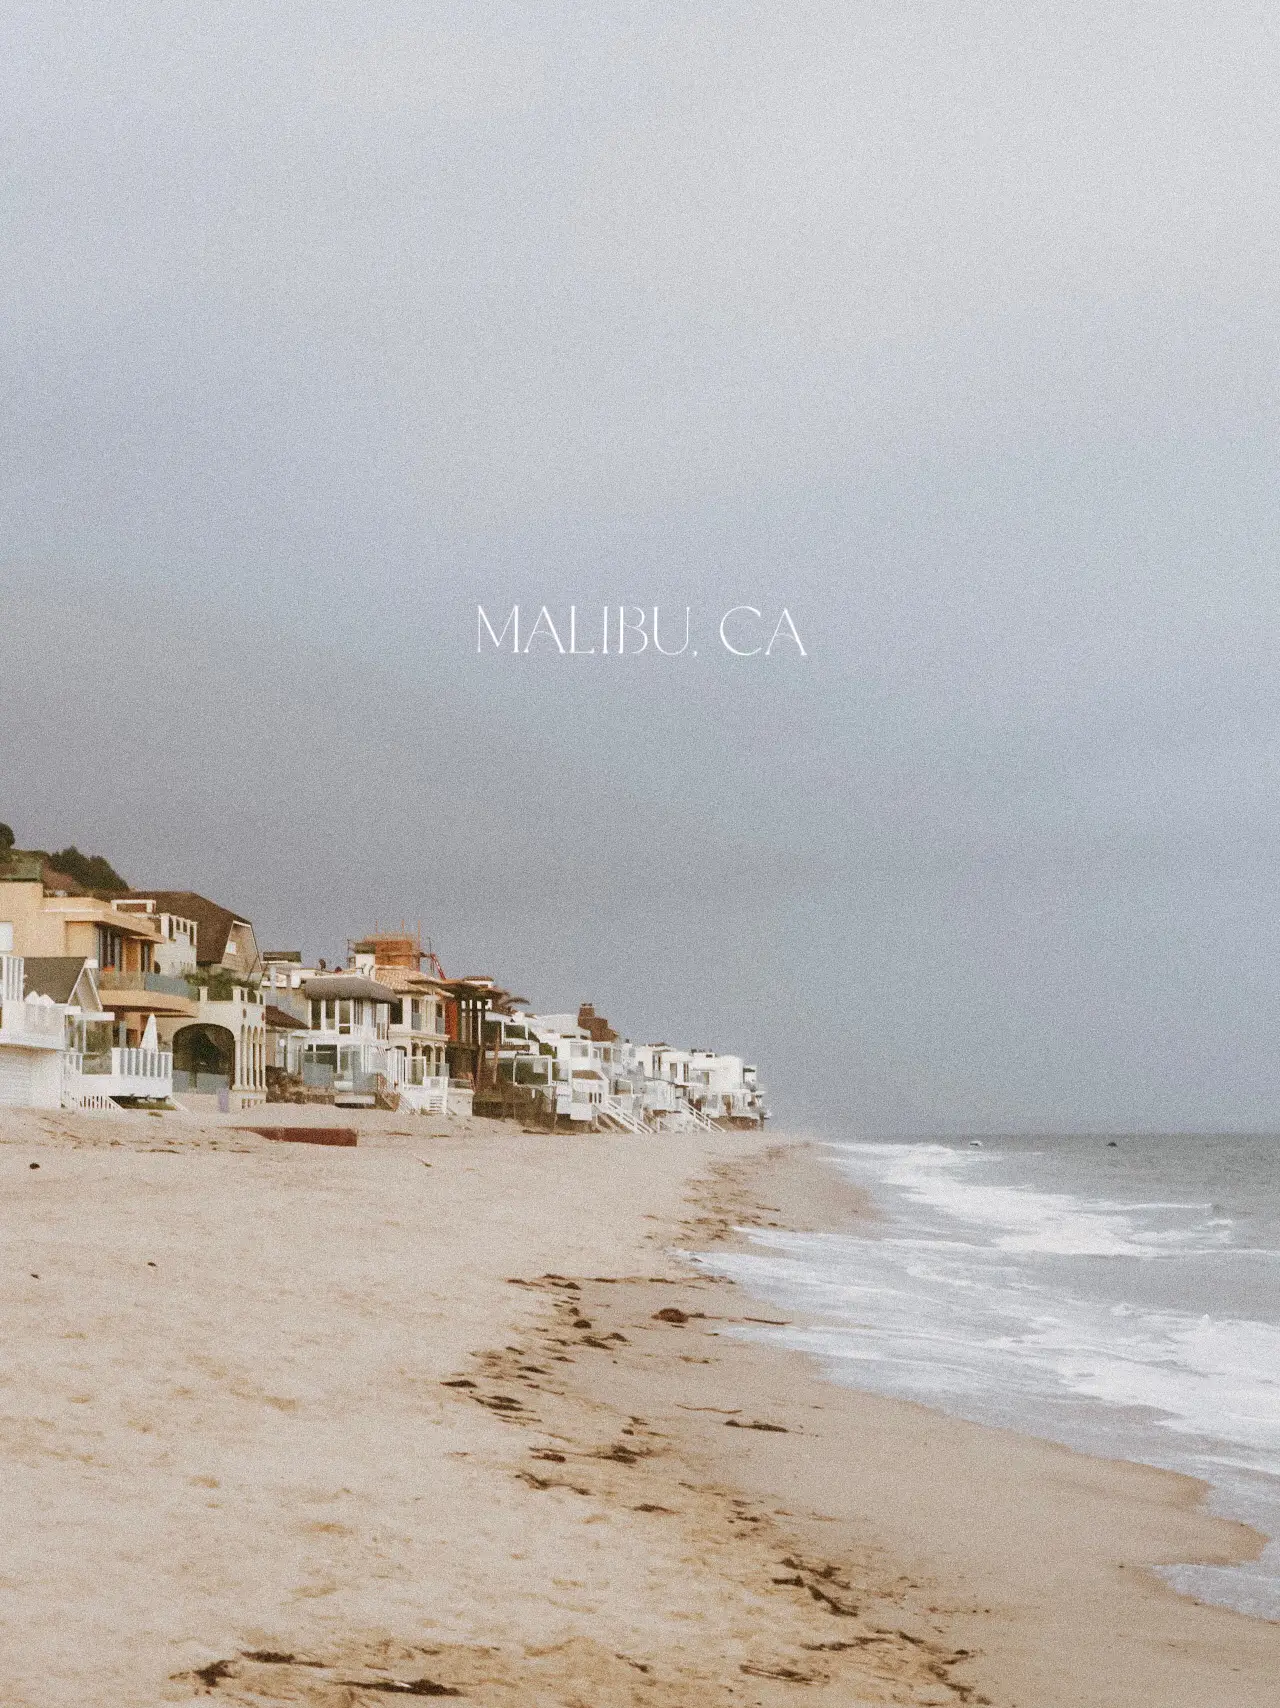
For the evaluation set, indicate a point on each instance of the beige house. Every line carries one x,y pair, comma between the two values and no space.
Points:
44,912
205,935
177,973
45,915
220,1044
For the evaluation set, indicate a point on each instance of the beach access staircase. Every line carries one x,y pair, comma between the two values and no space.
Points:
612,1111
426,1095
696,1117
86,1102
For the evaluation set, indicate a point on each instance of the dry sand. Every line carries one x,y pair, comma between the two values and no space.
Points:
285,1424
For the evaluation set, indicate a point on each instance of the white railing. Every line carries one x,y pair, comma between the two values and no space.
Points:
149,1065
12,978
79,1093
428,1095
34,1023
134,1072
612,1110
697,1117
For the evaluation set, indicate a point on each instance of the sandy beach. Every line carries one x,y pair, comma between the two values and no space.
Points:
448,1413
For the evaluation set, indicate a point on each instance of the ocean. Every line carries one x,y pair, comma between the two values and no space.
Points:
1119,1296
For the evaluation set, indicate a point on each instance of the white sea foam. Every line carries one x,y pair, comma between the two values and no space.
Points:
1003,1300
960,1185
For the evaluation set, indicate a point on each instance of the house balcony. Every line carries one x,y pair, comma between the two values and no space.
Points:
148,993
32,1025
410,1035
414,1070
27,1022
90,1080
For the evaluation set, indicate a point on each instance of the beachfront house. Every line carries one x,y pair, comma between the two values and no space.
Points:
520,1059
285,1011
97,1071
724,1089
675,1086
379,1025
47,915
577,1069
56,1048
417,1031
33,1042
580,1067
205,993
470,1050
346,1046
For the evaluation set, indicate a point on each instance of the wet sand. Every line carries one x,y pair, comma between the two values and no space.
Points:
448,1411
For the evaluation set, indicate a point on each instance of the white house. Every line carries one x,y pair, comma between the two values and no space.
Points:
576,1069
55,1040
417,1029
98,1072
32,1042
346,1047
724,1088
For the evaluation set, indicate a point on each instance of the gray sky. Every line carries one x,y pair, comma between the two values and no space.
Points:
952,329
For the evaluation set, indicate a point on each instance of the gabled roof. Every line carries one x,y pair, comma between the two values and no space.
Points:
279,1020
213,923
56,976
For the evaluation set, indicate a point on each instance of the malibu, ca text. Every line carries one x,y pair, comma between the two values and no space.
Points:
626,631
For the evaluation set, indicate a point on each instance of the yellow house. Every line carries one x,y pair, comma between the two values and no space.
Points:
44,912
46,915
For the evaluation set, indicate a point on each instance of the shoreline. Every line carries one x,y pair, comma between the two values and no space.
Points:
293,1424
938,1498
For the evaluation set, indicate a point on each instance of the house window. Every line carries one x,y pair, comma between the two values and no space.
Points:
110,949
6,937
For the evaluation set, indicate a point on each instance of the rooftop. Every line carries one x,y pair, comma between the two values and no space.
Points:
346,987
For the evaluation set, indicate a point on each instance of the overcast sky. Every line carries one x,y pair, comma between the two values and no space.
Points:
951,329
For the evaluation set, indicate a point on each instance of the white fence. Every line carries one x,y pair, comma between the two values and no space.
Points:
36,1023
11,978
428,1096
27,1022
132,1073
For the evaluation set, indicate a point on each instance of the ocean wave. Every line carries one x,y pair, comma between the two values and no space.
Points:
993,1293
957,1184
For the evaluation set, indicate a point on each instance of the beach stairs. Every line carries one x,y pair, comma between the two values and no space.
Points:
430,1098
88,1102
698,1118
620,1118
